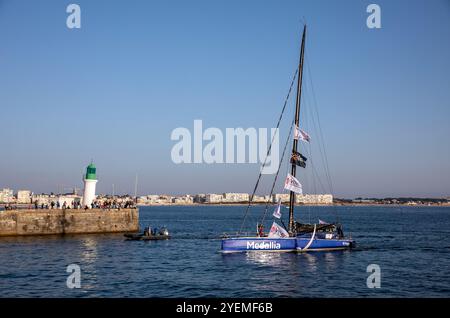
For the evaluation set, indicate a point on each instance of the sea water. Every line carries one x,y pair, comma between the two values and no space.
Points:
411,246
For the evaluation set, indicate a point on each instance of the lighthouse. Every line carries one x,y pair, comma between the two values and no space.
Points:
90,180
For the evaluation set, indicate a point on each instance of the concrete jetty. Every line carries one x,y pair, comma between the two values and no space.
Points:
68,221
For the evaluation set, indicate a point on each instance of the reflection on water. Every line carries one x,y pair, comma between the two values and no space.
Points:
87,255
89,250
194,267
311,261
308,261
264,258
290,273
269,272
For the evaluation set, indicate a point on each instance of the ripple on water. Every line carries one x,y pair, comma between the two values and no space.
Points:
413,259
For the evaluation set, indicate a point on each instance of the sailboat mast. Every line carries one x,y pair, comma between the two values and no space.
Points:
297,119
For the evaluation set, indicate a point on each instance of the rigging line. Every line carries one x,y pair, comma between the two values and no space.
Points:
315,173
320,128
286,173
284,190
327,169
279,168
318,177
319,141
322,146
310,148
276,175
315,177
268,151
305,146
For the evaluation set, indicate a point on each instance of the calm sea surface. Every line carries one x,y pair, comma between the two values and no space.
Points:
410,244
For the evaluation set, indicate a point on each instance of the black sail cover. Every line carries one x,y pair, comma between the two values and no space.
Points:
298,159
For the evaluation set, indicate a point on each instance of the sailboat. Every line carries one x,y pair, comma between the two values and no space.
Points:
296,237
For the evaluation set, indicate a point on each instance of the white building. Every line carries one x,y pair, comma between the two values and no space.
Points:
283,196
314,199
261,199
305,198
185,199
6,196
213,198
235,197
24,196
155,199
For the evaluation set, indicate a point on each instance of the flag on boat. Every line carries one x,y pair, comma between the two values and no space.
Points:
277,212
301,135
292,184
277,231
323,222
298,159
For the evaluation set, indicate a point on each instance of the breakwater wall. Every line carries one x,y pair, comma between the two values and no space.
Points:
68,221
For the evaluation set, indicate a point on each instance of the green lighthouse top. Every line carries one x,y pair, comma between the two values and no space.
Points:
91,172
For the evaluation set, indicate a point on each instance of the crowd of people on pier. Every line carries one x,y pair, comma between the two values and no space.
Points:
112,204
57,205
109,204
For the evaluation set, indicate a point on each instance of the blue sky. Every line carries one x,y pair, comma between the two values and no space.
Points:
114,90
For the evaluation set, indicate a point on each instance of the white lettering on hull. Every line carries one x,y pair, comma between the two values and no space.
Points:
252,245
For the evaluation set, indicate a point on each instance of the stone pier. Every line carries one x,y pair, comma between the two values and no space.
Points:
68,221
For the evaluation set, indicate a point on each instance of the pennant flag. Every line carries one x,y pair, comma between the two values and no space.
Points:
292,184
323,222
277,212
298,159
301,135
277,231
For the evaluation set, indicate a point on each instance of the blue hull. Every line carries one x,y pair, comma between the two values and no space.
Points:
291,244
323,244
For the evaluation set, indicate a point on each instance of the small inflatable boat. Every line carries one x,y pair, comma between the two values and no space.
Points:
149,235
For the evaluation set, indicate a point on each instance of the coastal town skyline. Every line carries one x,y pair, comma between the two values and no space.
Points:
114,90
27,197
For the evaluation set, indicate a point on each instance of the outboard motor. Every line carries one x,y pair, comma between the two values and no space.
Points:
163,231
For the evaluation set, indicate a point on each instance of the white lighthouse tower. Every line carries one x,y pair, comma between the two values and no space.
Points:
90,181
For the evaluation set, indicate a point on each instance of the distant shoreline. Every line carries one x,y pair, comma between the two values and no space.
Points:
29,206
321,205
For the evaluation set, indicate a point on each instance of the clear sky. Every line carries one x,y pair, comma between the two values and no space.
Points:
114,90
